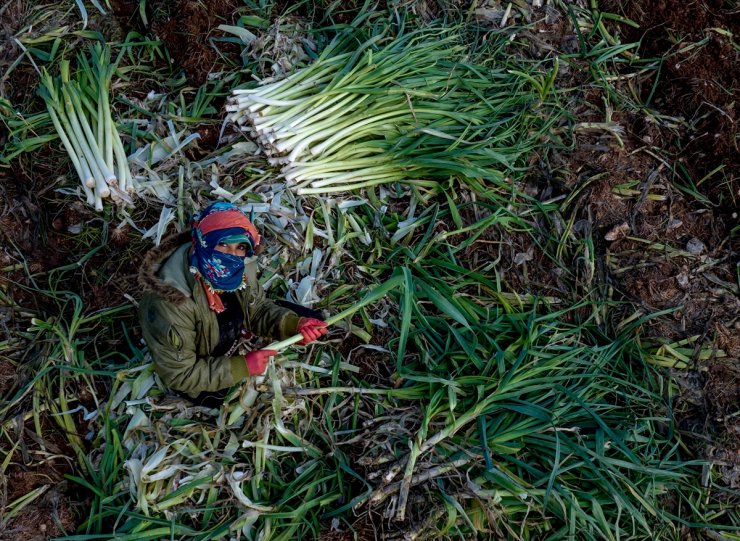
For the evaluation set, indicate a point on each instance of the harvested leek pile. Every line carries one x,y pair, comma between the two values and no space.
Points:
80,110
412,108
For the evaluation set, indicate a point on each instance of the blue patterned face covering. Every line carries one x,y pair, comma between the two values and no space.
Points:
220,222
223,272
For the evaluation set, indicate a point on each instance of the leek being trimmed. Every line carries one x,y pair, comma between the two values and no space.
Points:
372,296
415,110
79,108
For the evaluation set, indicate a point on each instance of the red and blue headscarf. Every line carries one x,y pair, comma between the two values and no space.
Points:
220,222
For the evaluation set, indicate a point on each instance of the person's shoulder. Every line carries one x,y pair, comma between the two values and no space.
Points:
154,274
251,268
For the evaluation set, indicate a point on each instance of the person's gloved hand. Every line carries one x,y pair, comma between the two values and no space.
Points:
257,360
311,329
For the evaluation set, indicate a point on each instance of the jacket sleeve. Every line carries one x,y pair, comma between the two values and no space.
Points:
170,331
265,318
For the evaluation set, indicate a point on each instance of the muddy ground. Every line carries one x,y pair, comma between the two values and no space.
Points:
660,203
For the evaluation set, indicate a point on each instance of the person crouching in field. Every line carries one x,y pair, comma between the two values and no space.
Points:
202,300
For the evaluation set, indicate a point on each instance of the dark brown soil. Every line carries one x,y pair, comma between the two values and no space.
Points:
699,81
8,377
187,28
48,517
649,263
375,366
368,526
660,247
51,233
33,467
722,389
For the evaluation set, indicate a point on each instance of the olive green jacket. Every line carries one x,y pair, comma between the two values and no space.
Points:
181,330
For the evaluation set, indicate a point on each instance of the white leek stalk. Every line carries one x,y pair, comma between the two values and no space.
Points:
372,296
80,112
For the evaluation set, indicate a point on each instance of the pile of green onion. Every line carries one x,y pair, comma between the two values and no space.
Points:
415,111
80,111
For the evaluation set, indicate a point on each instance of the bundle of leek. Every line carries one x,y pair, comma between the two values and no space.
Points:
80,111
415,110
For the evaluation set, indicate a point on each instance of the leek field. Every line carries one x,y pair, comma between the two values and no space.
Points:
520,219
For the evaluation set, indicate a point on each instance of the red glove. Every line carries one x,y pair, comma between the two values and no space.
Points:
257,360
311,329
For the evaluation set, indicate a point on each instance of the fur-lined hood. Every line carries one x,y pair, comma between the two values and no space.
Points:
167,276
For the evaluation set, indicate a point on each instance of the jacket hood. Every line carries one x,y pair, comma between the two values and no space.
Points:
165,270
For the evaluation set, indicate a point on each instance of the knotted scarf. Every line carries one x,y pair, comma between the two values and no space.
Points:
220,222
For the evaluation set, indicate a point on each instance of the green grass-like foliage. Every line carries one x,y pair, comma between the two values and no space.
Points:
515,423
